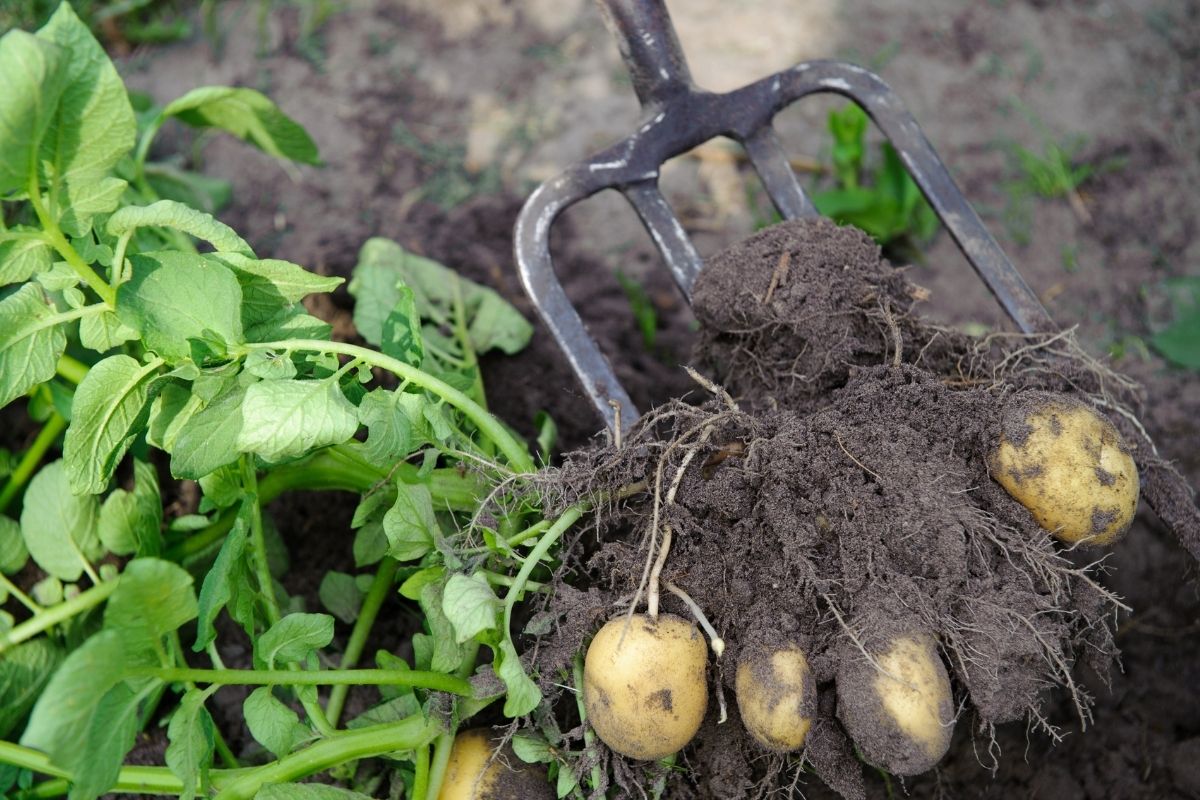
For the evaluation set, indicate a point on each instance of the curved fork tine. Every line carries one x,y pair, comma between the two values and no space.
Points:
898,125
664,227
531,240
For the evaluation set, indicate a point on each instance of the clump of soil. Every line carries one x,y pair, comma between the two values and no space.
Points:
841,498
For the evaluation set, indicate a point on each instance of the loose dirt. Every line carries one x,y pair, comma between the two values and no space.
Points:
840,497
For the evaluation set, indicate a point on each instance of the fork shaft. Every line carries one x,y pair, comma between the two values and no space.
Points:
649,47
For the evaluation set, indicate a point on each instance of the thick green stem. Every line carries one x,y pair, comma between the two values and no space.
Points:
407,734
266,583
589,738
516,453
258,543
54,236
434,681
437,768
539,551
421,772
16,592
72,369
385,576
138,780
32,457
55,614
338,470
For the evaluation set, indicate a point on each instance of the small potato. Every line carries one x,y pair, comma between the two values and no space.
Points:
1067,464
470,776
900,713
646,695
776,696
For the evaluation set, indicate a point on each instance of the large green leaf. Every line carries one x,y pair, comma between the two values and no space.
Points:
292,639
110,409
227,582
410,525
175,297
271,723
271,286
32,79
191,735
59,526
13,554
24,671
131,522
152,598
250,116
22,258
208,439
470,605
94,126
31,342
170,214
288,418
438,292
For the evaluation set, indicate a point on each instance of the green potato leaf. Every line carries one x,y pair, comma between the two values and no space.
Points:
174,298
22,258
248,115
32,79
171,214
60,527
131,522
31,342
24,672
190,733
470,605
410,525
110,409
293,639
152,599
13,554
208,439
289,418
272,724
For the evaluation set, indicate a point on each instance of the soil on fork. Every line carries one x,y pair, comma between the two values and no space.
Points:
835,495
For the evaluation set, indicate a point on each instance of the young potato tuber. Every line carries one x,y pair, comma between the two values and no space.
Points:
899,710
472,773
1067,464
776,696
646,694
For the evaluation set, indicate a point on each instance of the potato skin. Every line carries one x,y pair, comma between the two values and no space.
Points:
646,697
776,696
1067,464
469,776
901,718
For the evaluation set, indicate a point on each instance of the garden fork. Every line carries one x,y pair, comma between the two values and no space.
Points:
678,116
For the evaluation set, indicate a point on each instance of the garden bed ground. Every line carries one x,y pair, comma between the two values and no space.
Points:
519,90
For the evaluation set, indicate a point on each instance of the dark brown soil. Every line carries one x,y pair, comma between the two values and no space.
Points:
854,505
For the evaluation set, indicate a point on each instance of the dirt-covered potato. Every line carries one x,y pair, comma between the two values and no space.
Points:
1067,464
472,773
776,696
899,710
646,694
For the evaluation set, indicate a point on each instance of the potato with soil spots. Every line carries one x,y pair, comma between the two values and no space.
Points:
899,710
644,685
776,696
473,774
1067,464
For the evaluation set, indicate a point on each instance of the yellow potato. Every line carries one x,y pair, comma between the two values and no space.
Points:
899,710
470,776
1067,464
776,696
646,695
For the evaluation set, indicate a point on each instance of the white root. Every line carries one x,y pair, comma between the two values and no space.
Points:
718,644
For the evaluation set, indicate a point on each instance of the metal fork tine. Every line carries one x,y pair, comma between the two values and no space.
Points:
771,162
668,234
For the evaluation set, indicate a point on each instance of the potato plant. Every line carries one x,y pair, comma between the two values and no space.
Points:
152,344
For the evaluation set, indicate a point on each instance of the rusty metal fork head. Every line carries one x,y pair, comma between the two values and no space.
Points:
678,116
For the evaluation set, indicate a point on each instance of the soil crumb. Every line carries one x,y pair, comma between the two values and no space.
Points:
834,495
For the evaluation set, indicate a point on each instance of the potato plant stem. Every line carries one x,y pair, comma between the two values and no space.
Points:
589,738
32,457
384,578
421,772
434,681
516,453
16,592
53,615
409,733
266,584
72,369
56,239
137,780
437,766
